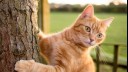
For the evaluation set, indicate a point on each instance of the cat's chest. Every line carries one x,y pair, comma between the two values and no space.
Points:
81,65
72,63
64,55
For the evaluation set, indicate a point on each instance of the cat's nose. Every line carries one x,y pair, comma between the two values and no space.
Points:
91,40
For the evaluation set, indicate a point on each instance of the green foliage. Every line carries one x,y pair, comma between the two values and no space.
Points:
122,8
111,8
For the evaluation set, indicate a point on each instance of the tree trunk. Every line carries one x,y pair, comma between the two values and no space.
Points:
17,38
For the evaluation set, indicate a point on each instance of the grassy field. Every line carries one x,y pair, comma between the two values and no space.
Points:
117,32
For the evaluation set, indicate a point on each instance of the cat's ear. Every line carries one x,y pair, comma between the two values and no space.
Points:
88,12
108,21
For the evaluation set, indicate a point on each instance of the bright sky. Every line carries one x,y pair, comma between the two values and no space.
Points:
83,2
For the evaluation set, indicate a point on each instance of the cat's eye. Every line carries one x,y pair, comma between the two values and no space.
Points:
88,29
99,35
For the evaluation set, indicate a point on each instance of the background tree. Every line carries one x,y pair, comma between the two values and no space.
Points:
17,36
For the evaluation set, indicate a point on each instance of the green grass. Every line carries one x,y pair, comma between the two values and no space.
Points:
61,20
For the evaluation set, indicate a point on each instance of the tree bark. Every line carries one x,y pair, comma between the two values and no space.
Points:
17,37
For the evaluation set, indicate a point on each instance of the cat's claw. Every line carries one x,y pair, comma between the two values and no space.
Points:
24,65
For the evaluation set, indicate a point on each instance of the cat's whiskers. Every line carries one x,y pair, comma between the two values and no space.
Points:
103,58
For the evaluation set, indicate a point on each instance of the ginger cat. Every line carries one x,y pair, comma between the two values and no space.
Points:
69,50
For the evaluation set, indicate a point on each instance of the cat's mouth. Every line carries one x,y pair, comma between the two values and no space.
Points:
90,43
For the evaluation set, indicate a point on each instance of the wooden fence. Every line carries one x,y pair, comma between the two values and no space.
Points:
44,15
114,64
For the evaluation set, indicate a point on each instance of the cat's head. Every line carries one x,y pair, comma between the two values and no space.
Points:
89,29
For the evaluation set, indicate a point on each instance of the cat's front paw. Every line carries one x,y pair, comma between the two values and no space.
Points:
24,65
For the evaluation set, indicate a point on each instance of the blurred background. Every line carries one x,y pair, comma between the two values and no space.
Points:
111,56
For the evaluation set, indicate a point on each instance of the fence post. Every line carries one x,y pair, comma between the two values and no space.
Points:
97,59
45,16
115,60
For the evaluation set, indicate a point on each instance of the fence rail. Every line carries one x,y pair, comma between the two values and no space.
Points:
115,58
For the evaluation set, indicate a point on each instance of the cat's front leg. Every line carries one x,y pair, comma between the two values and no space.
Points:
32,66
24,65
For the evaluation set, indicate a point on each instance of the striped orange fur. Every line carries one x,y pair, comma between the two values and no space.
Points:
69,50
